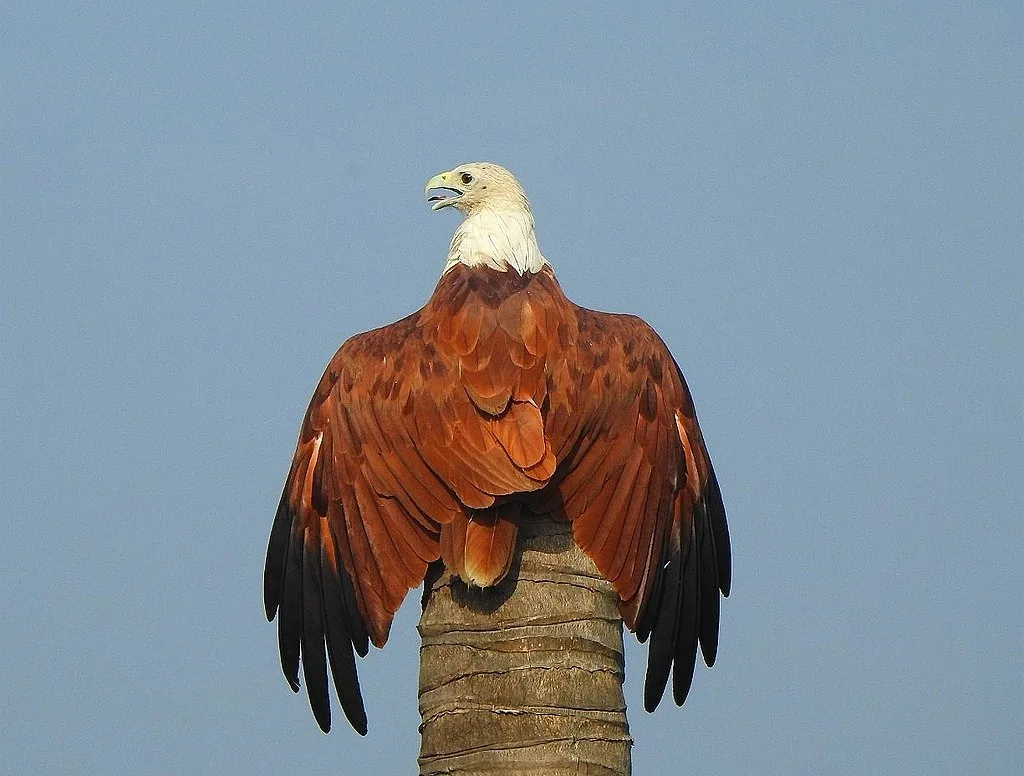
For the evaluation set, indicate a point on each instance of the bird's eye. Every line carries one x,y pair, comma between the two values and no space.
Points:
466,178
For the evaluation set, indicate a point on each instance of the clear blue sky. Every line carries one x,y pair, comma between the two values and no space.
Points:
817,205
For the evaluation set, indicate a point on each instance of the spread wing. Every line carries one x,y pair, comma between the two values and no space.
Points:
359,517
637,482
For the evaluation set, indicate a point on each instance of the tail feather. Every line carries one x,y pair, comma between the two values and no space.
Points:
478,546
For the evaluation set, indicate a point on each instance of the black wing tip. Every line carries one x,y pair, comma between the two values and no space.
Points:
271,605
720,534
682,679
298,605
709,627
290,667
659,669
684,625
358,725
356,718
277,555
662,633
356,715
322,713
688,627
724,568
323,718
352,702
709,653
653,693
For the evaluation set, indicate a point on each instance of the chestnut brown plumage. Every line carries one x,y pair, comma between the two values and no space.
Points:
436,436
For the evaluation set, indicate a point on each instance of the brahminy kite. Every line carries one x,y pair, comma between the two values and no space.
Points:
436,437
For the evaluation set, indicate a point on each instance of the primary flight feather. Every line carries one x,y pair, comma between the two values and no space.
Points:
437,436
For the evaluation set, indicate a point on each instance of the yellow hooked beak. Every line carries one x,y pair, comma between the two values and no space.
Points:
445,193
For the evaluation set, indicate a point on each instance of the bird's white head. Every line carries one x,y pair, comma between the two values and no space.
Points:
498,230
476,186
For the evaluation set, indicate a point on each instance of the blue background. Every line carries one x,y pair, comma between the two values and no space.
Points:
817,205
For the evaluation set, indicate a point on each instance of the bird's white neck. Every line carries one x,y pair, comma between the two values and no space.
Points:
498,239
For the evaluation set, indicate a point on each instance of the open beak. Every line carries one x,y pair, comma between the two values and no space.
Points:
440,191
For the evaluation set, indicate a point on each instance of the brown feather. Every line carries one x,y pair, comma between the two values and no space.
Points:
520,431
544,469
490,540
466,325
532,335
622,569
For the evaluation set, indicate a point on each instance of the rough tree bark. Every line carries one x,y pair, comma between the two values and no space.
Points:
524,678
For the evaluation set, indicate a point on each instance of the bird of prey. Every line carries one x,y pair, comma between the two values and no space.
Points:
438,436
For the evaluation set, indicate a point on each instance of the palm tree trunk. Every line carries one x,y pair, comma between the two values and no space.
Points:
524,678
